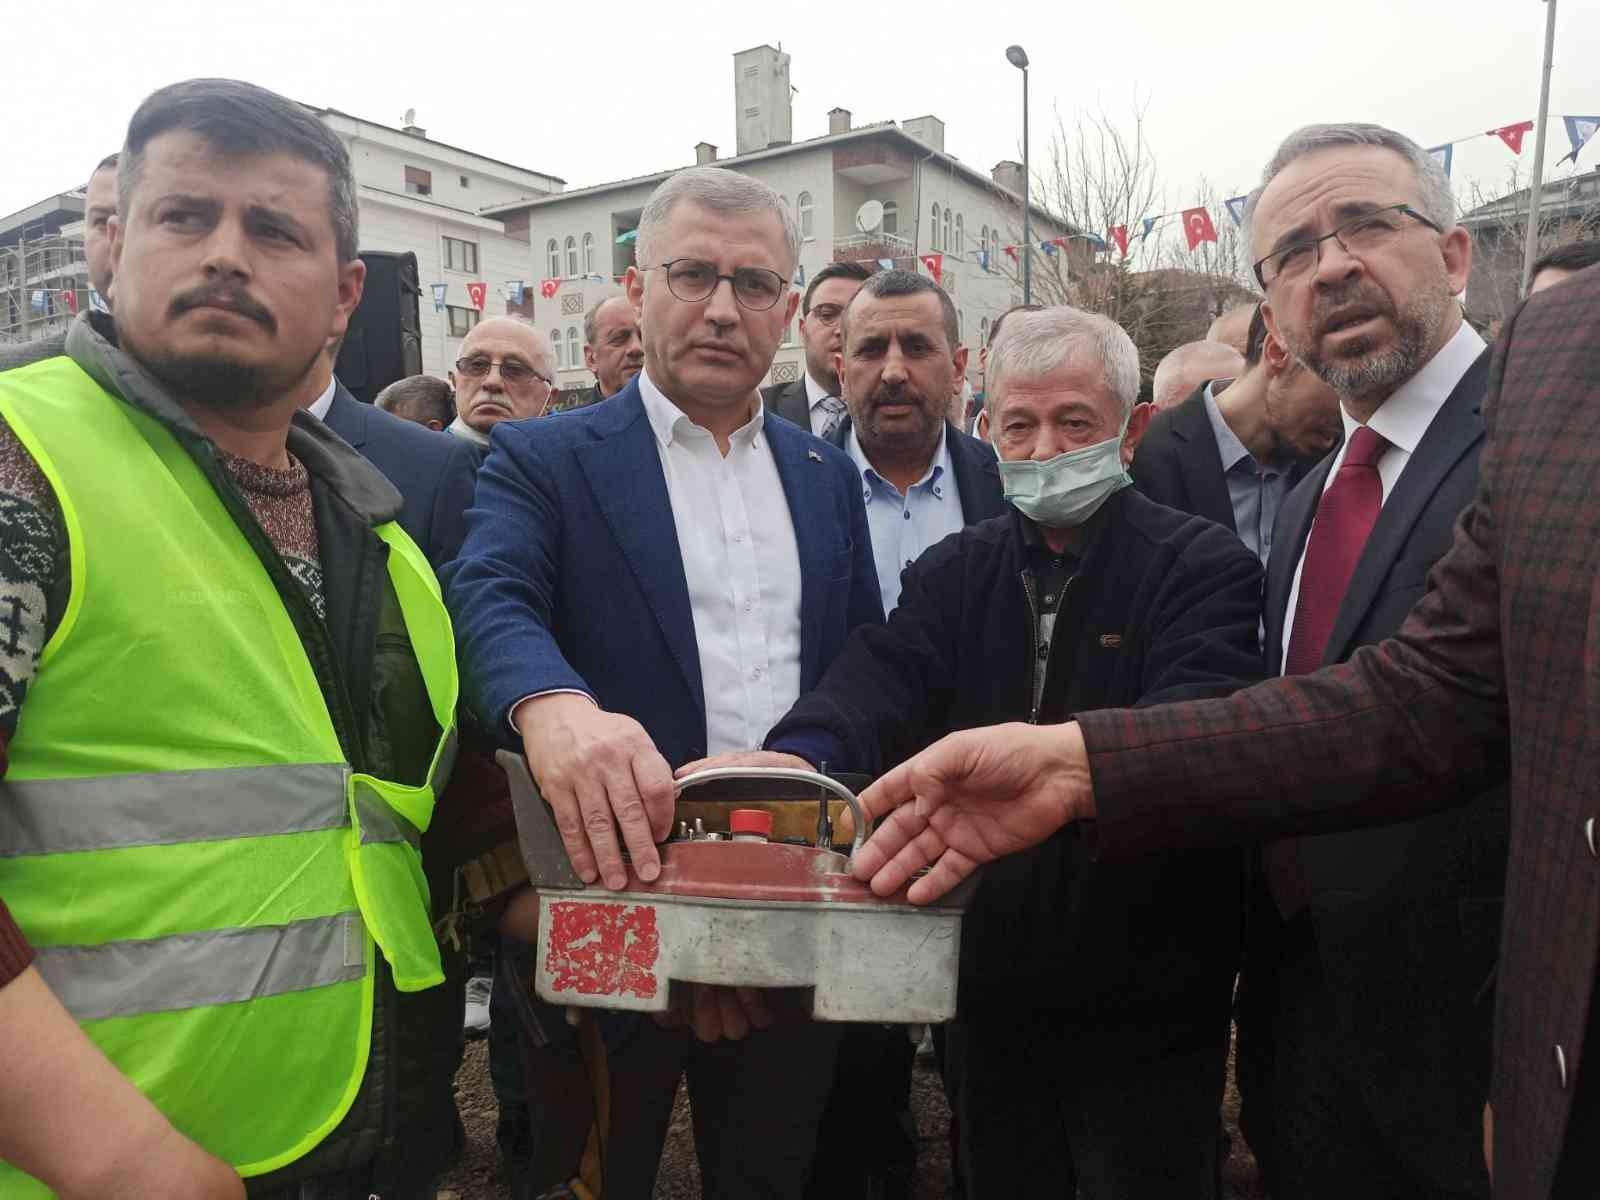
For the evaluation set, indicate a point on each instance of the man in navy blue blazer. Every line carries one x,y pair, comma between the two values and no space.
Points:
433,473
653,579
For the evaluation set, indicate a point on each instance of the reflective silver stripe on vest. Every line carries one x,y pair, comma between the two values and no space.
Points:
195,970
379,822
168,808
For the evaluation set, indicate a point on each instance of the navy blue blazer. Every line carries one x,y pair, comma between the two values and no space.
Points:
571,575
433,472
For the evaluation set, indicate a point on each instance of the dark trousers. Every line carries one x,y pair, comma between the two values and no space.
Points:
1332,1133
1041,1118
866,1144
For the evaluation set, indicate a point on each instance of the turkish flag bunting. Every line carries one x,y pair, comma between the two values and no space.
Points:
70,298
1012,251
1119,235
477,293
1197,227
935,265
549,288
1511,135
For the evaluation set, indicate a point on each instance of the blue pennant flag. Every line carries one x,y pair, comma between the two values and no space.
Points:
1579,131
886,263
799,276
1149,224
40,299
1236,209
516,286
1048,248
439,290
983,260
1443,156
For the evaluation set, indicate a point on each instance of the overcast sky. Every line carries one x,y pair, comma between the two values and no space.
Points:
597,91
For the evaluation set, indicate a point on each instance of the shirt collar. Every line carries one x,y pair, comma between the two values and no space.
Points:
669,422
1229,446
467,433
938,466
815,392
319,407
1404,417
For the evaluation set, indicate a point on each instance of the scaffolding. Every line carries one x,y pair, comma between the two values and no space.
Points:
44,283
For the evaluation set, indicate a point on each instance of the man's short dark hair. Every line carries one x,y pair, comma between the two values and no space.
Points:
593,316
1574,256
1255,341
834,270
419,398
884,285
242,120
994,330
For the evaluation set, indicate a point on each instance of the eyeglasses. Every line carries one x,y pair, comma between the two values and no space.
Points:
512,371
1356,236
692,281
827,314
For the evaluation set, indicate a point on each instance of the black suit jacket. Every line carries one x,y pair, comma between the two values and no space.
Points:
434,472
977,477
789,401
1407,915
1178,463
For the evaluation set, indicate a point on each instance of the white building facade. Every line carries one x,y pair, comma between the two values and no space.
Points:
931,204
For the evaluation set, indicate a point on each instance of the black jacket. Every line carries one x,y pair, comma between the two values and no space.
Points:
1163,607
789,401
973,463
1178,463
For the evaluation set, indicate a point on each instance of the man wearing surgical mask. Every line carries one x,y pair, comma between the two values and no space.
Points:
1094,1003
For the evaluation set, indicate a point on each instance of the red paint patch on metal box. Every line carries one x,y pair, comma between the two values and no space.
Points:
600,949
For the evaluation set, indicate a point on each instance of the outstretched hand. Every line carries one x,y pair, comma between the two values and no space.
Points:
970,798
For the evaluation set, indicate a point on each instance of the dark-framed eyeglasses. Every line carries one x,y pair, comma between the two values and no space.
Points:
513,372
693,280
826,314
1356,236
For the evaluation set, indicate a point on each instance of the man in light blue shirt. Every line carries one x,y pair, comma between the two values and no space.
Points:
900,364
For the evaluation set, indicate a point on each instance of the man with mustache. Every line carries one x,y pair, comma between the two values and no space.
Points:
506,371
227,706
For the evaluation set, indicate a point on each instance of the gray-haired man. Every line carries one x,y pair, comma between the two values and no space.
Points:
612,347
1095,999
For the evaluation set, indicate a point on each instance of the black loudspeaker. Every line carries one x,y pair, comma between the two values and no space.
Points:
384,341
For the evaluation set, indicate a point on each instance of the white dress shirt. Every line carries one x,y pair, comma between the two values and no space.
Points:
319,407
815,395
903,526
742,566
1402,419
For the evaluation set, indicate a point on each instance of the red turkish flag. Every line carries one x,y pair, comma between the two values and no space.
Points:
1119,235
1197,227
935,265
549,288
70,298
478,293
1012,251
1511,135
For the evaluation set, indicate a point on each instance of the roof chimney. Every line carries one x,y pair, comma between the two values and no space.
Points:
1008,174
704,152
838,120
763,113
927,130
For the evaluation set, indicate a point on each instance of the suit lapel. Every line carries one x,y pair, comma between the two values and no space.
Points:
806,481
347,417
977,477
1289,534
793,405
623,469
1202,468
1453,431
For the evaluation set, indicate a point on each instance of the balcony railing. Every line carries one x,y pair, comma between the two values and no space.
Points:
872,245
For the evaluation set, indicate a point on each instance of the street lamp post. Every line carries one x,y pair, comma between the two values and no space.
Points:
1018,58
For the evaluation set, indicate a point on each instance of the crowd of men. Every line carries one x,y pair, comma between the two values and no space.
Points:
263,640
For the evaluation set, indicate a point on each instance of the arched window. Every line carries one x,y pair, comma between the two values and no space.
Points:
572,257
574,347
588,254
554,251
557,345
961,327
961,234
802,204
983,329
891,217
935,241
948,242
984,243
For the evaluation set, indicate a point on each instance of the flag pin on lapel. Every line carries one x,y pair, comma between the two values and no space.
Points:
813,456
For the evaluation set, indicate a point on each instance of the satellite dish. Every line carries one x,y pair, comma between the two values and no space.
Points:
869,216
411,116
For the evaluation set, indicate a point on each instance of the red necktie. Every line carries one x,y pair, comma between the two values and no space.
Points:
1345,517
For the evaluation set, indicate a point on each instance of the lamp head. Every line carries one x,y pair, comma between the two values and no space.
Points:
1017,57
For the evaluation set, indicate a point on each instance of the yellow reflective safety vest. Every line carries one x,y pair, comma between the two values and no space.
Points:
202,873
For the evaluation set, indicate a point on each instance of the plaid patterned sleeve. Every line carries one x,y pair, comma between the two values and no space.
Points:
1403,727
15,953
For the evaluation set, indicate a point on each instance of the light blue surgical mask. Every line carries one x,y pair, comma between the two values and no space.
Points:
1068,489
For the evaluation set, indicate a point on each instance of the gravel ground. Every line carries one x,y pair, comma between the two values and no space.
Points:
477,1175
